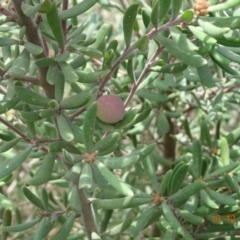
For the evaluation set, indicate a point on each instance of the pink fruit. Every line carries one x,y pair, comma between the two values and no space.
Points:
110,108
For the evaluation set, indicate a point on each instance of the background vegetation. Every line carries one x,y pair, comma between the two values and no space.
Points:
169,169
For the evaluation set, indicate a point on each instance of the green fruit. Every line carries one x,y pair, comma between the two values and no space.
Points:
110,109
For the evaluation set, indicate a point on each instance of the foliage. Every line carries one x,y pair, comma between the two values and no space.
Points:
169,169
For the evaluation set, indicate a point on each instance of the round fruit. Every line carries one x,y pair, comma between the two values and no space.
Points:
110,109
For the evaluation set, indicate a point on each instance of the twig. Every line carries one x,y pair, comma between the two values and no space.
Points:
30,79
87,214
64,22
24,137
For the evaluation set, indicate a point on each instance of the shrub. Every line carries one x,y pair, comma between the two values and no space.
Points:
168,169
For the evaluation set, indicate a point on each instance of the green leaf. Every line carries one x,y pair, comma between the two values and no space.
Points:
188,57
106,142
165,181
121,203
68,72
207,200
52,72
163,9
4,41
32,48
220,171
205,132
59,87
44,62
90,52
120,186
155,13
142,220
77,9
181,40
233,136
74,173
222,62
222,6
44,172
21,227
128,23
33,198
20,65
54,23
45,226
63,57
6,106
189,217
127,119
224,151
212,30
8,145
10,165
202,36
101,38
228,54
74,201
146,94
232,183
150,168
181,196
30,10
86,178
176,6
197,158
142,43
221,198
173,68
31,97
64,128
89,125
59,145
206,76
174,222
162,123
231,22
119,162
66,228
119,228
177,178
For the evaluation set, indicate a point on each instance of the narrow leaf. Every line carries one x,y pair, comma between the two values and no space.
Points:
128,22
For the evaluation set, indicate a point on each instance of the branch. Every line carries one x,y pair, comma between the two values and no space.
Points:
87,214
24,137
143,74
64,22
30,79
11,16
33,37
130,49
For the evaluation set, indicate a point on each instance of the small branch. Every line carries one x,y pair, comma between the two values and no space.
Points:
11,16
77,113
130,49
165,26
24,137
64,22
87,214
143,74
115,66
30,79
124,4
